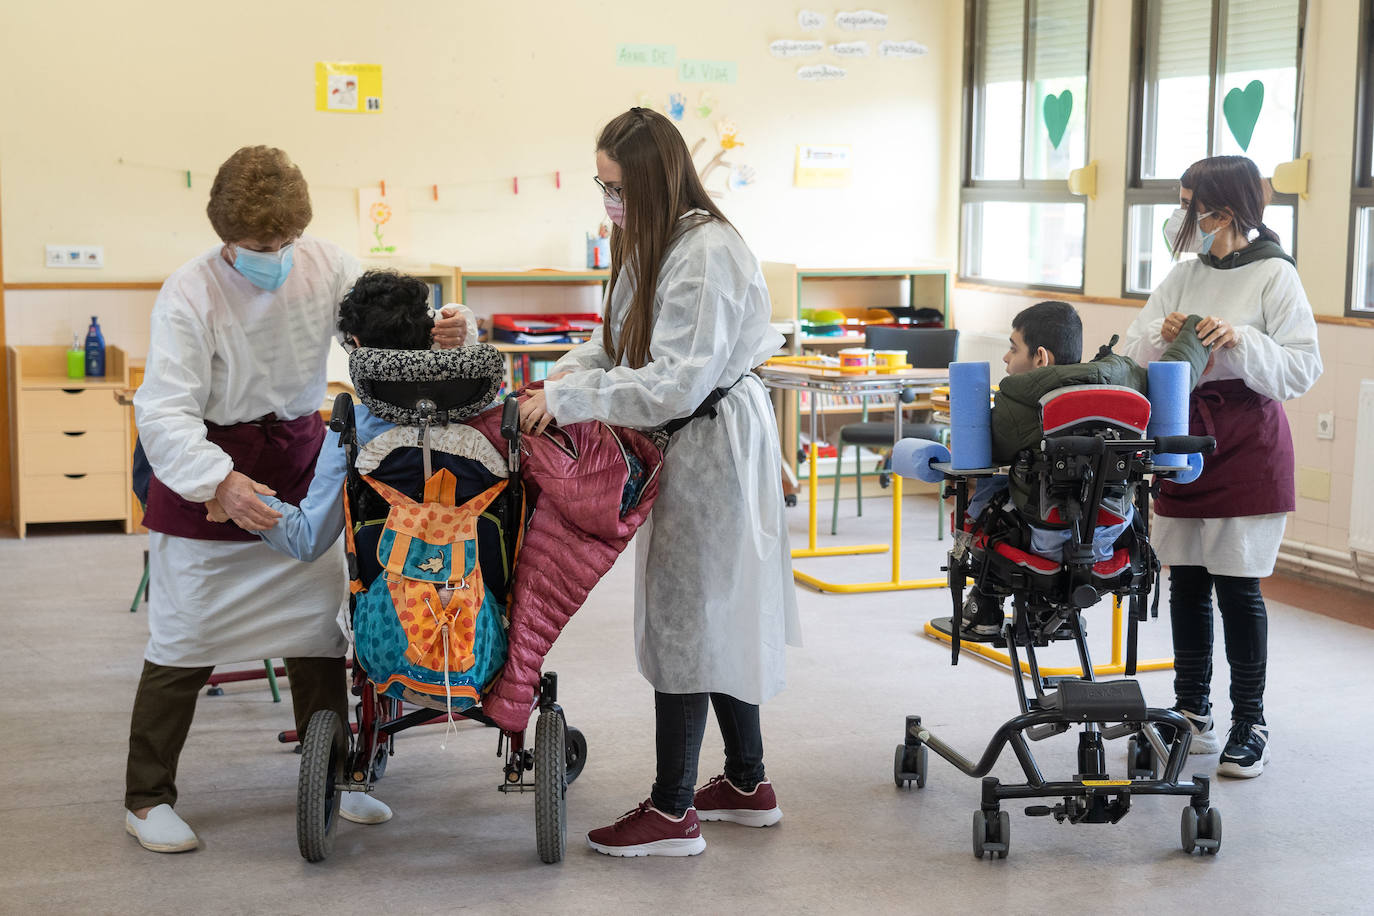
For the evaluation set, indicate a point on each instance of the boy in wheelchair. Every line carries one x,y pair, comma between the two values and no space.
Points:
1023,512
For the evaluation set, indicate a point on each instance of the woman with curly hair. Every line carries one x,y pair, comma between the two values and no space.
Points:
228,411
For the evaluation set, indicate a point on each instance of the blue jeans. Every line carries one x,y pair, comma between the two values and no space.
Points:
680,720
1245,626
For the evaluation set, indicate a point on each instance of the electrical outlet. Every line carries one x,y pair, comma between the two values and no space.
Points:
1326,425
87,256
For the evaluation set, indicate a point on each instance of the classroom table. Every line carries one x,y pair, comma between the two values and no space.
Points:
816,381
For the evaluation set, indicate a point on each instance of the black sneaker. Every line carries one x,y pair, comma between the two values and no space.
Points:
1247,750
983,618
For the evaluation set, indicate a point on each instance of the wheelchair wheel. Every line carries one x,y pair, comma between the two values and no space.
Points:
1141,760
991,833
576,747
317,792
908,769
1209,829
550,786
1187,829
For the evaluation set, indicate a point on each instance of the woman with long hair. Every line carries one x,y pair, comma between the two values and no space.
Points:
687,319
1222,532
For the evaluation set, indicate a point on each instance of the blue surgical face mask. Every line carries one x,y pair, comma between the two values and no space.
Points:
266,270
1200,243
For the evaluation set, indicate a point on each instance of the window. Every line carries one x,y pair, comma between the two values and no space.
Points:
1214,78
1361,300
1025,129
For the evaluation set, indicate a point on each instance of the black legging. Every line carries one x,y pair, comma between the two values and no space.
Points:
1246,630
680,720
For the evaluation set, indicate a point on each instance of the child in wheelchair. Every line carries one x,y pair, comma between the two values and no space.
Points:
1046,345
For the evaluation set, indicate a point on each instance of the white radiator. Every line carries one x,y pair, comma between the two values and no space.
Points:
1362,497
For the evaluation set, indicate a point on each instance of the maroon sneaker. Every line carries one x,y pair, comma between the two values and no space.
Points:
720,800
647,831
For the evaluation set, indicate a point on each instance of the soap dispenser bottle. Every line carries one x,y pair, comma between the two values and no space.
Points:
95,351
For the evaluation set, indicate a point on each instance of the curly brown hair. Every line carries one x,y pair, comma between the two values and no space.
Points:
259,194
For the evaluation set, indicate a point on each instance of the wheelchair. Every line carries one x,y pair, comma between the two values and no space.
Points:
1094,458
422,391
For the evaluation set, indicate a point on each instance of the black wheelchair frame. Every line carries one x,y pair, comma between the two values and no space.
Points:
1105,709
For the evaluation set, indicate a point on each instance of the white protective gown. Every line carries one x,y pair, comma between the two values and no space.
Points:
714,599
224,351
1275,355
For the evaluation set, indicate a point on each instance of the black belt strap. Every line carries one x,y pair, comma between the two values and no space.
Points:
706,408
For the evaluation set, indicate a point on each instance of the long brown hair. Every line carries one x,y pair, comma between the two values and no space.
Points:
1229,183
659,184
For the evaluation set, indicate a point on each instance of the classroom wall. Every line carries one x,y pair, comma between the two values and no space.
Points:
474,95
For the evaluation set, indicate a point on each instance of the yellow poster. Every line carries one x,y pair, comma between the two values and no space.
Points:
823,167
348,88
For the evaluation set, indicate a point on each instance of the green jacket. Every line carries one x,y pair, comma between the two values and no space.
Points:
1016,409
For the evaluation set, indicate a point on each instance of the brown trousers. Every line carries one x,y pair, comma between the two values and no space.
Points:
166,702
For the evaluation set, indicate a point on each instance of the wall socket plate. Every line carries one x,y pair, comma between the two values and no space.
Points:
90,257
1326,425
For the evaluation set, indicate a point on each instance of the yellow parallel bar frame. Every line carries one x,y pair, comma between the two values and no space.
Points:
811,550
1116,666
895,584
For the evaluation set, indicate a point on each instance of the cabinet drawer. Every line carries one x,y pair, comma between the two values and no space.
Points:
46,452
58,498
81,409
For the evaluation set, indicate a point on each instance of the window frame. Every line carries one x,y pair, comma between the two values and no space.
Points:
1361,184
973,191
1151,191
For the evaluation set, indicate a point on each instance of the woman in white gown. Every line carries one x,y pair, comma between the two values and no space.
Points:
687,319
228,410
1222,532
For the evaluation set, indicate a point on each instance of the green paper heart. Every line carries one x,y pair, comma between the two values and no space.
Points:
1057,111
1242,110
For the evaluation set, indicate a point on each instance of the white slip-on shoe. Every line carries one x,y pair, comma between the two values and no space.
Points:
161,831
361,808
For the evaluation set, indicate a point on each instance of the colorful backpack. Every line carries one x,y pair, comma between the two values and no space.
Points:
426,630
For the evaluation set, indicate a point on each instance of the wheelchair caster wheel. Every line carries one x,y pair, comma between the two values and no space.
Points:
1200,831
909,765
1141,760
215,691
790,500
991,833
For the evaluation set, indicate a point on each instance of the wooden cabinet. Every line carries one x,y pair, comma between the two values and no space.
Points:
69,440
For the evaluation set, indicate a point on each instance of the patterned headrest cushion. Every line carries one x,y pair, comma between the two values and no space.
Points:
481,362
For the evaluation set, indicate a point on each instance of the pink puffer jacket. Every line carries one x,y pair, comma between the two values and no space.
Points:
578,474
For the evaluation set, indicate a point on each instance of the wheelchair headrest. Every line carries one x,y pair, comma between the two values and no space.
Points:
1065,409
461,382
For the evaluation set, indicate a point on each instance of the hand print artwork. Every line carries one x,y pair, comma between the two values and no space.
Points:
677,106
737,176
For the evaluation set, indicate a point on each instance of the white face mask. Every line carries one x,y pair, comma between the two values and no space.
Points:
1200,243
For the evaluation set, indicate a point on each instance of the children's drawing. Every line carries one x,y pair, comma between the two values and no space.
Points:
1057,110
729,134
810,20
861,20
343,92
850,49
902,50
1242,110
644,100
789,47
706,105
677,106
383,224
741,177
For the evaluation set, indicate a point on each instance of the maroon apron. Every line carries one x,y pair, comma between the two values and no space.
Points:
278,453
1251,472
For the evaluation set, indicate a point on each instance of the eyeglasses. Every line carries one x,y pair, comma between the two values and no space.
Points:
614,195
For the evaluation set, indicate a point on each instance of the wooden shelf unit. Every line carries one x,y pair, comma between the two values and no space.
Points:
927,287
69,440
